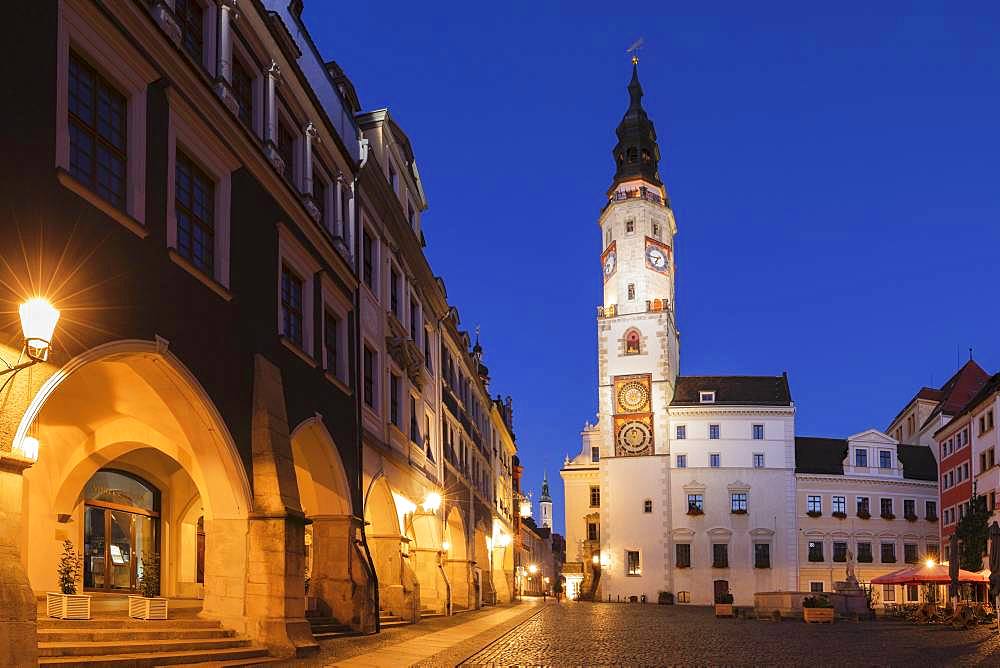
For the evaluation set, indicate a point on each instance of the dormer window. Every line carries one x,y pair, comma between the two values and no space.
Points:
706,396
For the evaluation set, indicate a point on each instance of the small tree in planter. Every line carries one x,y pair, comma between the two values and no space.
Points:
67,604
724,605
149,605
817,609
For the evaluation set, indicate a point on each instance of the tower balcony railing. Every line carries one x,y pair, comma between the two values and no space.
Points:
652,306
642,192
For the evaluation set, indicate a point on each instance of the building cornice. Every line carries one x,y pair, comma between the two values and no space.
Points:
818,477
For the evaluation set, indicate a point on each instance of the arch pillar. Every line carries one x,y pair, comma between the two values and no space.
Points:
398,588
425,558
18,608
460,575
275,589
340,577
503,573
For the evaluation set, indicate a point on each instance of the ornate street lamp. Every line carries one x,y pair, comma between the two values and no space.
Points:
38,322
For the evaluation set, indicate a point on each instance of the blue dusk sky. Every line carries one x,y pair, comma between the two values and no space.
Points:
833,173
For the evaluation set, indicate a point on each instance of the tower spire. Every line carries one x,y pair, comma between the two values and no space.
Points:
637,155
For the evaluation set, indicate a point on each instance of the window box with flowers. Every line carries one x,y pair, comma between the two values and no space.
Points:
814,513
931,518
724,605
887,516
840,515
817,609
864,514
739,511
910,517
695,510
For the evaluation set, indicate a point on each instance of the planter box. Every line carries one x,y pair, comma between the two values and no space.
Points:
140,607
723,609
67,606
817,615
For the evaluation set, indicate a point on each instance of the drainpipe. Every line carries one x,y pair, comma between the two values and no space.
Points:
358,411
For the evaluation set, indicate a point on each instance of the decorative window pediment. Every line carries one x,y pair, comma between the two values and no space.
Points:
694,487
682,533
719,532
761,532
738,486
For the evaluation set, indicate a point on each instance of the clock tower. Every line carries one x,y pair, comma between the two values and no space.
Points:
637,352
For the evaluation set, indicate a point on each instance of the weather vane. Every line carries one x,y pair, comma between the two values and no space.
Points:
634,50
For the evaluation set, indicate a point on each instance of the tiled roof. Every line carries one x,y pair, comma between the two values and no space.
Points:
826,456
991,386
820,455
918,462
959,389
733,390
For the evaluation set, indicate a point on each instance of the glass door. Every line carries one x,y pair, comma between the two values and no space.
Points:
121,523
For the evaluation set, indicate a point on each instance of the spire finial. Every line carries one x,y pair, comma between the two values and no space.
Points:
634,50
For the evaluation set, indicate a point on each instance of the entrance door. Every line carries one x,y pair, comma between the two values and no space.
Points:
121,525
721,588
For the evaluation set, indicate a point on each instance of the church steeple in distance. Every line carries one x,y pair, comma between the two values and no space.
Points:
545,502
637,155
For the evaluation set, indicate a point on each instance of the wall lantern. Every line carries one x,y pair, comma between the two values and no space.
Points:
445,546
29,448
532,568
38,322
431,502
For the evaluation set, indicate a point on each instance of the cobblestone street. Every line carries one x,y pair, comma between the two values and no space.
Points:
616,634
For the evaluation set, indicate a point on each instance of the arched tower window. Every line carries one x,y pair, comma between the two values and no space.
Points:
646,156
632,155
632,342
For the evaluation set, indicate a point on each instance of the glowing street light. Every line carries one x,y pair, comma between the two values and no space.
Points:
596,559
431,502
930,563
38,323
445,546
532,568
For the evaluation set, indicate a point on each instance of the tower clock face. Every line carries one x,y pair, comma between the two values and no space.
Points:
634,437
656,258
632,396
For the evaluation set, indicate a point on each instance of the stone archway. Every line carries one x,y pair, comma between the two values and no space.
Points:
458,565
338,571
427,559
134,406
398,589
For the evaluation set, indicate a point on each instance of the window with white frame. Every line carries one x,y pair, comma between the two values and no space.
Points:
632,566
295,293
758,460
814,503
101,116
715,460
839,504
757,432
860,457
647,506
714,433
706,397
681,432
199,192
682,461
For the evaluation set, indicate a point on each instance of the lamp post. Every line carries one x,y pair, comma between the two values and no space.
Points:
18,624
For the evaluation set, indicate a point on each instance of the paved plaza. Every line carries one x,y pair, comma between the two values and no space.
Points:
618,634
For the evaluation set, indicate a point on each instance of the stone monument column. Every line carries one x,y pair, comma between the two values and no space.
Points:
18,608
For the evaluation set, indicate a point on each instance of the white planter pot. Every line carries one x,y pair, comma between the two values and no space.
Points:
67,606
140,607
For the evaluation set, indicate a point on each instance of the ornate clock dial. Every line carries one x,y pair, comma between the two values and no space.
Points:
609,263
633,396
656,257
634,437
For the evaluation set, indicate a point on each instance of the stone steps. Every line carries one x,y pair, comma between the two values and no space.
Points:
118,642
126,645
246,656
325,628
109,635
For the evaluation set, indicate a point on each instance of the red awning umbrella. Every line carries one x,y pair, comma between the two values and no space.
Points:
924,574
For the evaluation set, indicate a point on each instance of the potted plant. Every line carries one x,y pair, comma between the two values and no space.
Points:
694,510
724,605
149,604
888,516
817,609
68,604
839,514
739,511
814,513
932,518
864,514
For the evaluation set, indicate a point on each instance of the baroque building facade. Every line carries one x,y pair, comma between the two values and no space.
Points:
256,377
